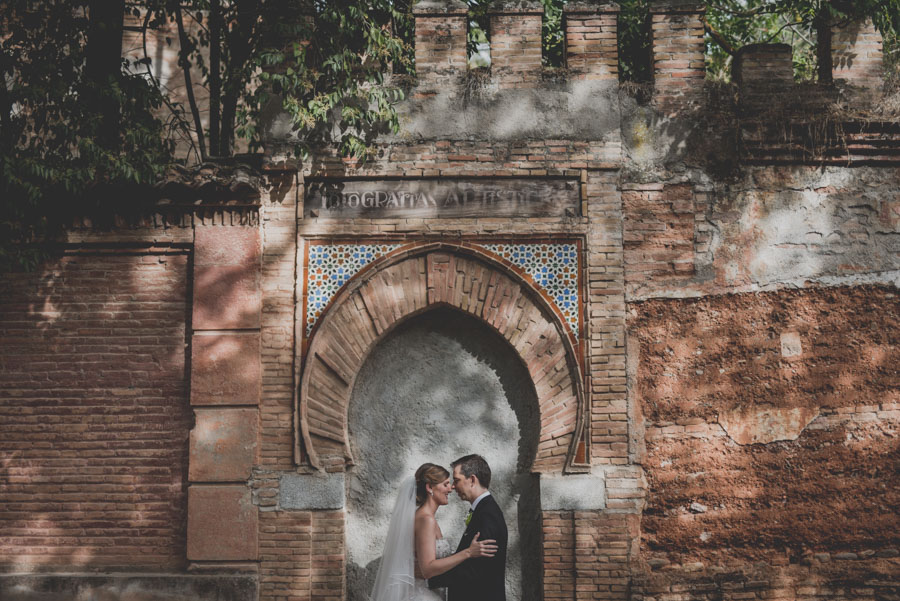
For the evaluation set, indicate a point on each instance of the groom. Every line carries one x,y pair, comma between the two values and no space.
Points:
482,578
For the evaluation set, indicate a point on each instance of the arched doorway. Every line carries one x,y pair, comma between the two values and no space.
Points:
412,281
441,385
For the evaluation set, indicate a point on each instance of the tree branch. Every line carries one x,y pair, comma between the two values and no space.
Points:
717,36
215,78
185,64
172,110
5,102
791,24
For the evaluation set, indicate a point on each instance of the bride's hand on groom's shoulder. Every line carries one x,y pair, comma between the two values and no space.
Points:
482,548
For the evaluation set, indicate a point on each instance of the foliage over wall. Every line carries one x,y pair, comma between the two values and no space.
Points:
75,117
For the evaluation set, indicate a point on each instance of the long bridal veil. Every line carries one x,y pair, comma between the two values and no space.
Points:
396,579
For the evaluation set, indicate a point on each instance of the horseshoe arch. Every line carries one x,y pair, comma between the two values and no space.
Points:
413,281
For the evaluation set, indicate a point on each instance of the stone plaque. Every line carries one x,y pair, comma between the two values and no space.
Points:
448,198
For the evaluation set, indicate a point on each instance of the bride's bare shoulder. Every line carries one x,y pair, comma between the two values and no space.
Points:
425,518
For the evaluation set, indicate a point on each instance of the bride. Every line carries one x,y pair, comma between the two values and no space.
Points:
414,548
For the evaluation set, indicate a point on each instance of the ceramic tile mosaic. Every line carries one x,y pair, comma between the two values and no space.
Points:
553,267
330,266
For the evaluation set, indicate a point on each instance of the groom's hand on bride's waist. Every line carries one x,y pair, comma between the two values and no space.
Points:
482,548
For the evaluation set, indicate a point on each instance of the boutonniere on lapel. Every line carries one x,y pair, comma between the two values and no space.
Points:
468,517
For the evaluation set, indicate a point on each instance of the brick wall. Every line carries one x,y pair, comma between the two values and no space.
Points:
659,233
516,44
767,227
586,554
278,279
93,413
769,423
591,40
856,54
301,555
678,52
707,373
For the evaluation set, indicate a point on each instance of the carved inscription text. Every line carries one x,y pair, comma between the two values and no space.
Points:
487,197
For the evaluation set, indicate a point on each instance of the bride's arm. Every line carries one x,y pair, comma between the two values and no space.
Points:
426,529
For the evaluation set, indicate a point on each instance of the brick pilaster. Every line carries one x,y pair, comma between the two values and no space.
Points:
440,41
608,414
278,280
225,374
591,45
856,54
516,42
678,51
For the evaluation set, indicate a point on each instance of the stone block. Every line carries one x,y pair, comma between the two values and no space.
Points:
222,245
312,491
765,424
791,345
222,524
582,492
890,213
223,445
225,369
224,584
226,297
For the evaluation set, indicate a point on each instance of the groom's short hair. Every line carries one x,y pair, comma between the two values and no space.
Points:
474,465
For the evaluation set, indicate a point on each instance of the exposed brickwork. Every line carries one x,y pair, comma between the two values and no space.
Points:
516,44
94,415
558,531
856,54
816,577
678,52
606,321
440,44
591,40
743,421
763,70
659,233
826,487
759,65
466,158
279,273
301,556
586,554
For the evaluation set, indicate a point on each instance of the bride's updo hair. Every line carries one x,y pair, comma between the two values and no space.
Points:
428,473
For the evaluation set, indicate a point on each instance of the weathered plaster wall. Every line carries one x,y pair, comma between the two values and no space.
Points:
439,387
763,229
770,424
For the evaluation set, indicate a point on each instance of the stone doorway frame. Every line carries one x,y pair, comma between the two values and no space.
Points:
407,283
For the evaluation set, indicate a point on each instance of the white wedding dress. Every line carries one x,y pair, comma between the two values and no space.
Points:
421,592
396,579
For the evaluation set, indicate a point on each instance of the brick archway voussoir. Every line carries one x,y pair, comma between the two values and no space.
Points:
371,306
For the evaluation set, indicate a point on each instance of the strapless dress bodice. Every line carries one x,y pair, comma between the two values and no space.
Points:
442,549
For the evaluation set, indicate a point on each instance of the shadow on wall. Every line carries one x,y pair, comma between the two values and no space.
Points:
94,415
827,487
440,386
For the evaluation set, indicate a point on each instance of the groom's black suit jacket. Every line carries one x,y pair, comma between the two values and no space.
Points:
482,578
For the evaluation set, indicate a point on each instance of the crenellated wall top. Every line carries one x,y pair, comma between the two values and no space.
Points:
516,7
587,7
677,6
440,7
